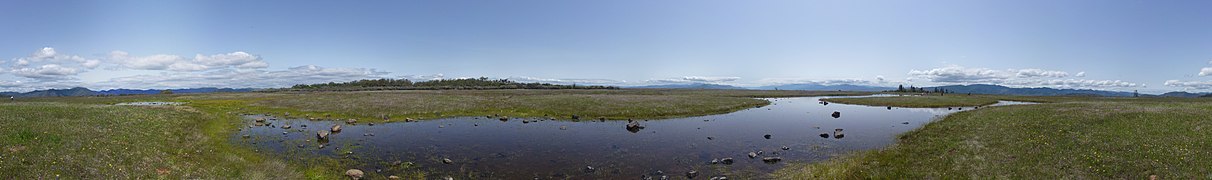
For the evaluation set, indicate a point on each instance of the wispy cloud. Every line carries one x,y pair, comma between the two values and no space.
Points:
1030,77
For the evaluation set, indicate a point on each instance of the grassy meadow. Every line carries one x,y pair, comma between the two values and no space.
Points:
90,138
1072,138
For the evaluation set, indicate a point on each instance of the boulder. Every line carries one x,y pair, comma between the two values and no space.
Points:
504,118
335,128
589,169
354,173
286,126
574,116
447,161
837,133
563,127
786,148
726,161
767,136
824,135
691,174
260,119
752,155
393,177
351,121
836,114
322,134
771,159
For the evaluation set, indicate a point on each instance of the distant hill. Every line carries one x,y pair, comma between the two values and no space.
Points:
1043,91
688,86
80,91
437,84
820,87
1184,94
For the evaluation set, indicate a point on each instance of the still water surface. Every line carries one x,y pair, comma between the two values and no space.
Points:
487,148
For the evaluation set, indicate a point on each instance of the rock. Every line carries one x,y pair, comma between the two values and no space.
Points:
393,177
304,126
786,148
752,155
525,121
948,108
836,114
771,159
441,126
301,146
715,161
726,161
837,134
634,125
602,118
960,109
504,118
447,161
322,135
408,120
246,136
889,107
574,116
767,136
692,174
351,121
260,119
761,152
335,128
354,173
589,169
448,178
906,122
397,163
710,138
286,126
563,127
824,135
371,124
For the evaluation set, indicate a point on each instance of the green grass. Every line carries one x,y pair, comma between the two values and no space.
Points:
89,138
917,101
78,141
1090,138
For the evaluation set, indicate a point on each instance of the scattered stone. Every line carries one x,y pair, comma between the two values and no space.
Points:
504,118
286,126
889,107
525,121
786,148
371,124
335,128
726,161
715,161
563,127
948,108
771,160
752,155
304,126
351,121
260,119
589,169
301,146
354,173
447,161
761,152
767,136
602,118
634,125
906,122
322,135
477,124
441,126
960,109
408,120
397,163
710,138
836,114
692,174
824,135
837,134
574,116
393,177
246,136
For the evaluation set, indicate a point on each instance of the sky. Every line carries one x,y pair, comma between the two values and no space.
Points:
1150,46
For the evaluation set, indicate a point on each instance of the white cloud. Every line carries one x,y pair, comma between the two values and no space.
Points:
1200,85
46,64
568,81
417,78
1205,71
1029,73
309,74
695,79
239,60
1030,77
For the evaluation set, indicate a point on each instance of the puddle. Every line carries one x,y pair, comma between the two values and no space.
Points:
487,148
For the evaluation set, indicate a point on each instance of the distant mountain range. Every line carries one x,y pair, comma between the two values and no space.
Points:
821,87
688,86
80,91
1003,90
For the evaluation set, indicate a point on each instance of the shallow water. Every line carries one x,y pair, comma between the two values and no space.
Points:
484,148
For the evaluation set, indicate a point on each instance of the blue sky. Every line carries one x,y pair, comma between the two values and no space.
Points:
1152,46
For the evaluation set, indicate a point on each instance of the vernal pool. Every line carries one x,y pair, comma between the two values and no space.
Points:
488,148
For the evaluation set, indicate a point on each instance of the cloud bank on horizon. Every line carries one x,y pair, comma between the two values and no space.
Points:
47,68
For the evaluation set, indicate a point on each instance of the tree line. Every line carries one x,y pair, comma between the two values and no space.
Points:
467,83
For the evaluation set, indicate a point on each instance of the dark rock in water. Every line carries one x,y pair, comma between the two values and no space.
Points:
824,135
634,126
260,120
767,136
525,121
761,152
322,134
771,159
786,148
286,126
710,138
408,120
837,134
371,124
602,118
715,161
354,173
589,169
563,127
948,108
960,109
504,118
247,136
752,155
351,121
477,124
574,116
303,125
906,122
726,161
889,107
441,126
447,161
692,174
836,114
336,128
